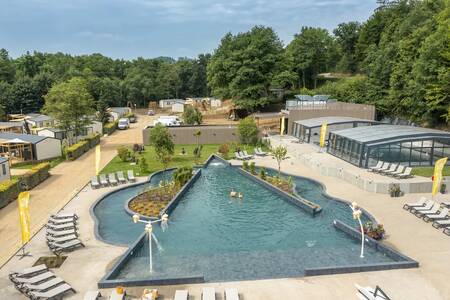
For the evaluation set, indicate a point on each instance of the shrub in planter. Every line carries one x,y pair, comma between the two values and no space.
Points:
76,150
263,174
143,165
443,188
182,175
394,190
252,168
93,140
9,190
375,232
245,166
109,128
224,149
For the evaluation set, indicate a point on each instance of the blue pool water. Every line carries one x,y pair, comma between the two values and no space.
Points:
260,236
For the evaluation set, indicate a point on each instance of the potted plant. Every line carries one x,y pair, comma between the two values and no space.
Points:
443,188
245,165
252,168
394,190
376,232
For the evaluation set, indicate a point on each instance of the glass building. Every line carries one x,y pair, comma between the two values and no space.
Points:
309,130
407,145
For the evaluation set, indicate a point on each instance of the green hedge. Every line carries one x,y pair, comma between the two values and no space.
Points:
109,128
76,150
9,190
34,176
93,140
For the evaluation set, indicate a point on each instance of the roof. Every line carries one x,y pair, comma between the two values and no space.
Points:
317,122
173,100
10,124
383,134
29,138
39,118
120,110
53,129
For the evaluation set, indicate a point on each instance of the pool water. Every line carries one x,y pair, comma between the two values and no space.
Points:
224,239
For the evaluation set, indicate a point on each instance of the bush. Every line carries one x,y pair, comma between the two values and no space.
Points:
245,165
76,150
182,175
34,176
224,149
143,165
9,190
93,140
248,131
192,116
262,174
109,128
198,151
252,168
123,153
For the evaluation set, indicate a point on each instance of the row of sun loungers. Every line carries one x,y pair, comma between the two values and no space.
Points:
391,169
112,179
62,233
40,283
431,211
242,155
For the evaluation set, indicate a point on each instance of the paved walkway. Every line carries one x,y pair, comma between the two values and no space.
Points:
65,181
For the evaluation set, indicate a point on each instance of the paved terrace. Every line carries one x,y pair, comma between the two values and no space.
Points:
406,233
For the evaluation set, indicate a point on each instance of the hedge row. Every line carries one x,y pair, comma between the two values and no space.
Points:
9,190
78,149
109,128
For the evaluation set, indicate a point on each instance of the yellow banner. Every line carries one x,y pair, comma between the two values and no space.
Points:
282,126
323,132
24,213
97,159
437,176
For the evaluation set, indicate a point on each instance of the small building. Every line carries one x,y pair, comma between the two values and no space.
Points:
15,127
95,127
216,102
167,103
25,147
118,112
178,107
39,120
4,169
307,101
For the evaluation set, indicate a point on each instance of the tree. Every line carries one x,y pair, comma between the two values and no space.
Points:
347,35
7,70
248,131
192,116
280,154
70,104
102,112
198,149
161,140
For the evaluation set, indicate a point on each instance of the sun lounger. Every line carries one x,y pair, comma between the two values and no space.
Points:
57,291
378,166
66,246
117,296
397,172
42,286
112,178
121,177
384,167
94,182
59,233
103,180
28,272
405,174
231,294
419,203
261,152
131,176
428,204
372,294
181,295
247,155
391,169
61,239
447,231
64,216
237,155
243,156
442,215
441,223
34,279
61,226
92,295
61,221
208,293
433,210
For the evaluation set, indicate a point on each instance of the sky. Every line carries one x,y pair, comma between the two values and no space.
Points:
150,28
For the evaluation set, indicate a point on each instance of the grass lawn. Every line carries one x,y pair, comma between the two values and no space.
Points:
53,163
428,171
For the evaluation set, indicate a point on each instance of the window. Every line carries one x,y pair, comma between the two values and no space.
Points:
4,169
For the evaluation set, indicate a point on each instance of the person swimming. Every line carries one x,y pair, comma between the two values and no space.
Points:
240,195
233,193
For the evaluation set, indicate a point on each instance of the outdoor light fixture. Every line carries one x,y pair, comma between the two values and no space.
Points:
357,216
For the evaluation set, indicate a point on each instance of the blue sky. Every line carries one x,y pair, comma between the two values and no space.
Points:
151,28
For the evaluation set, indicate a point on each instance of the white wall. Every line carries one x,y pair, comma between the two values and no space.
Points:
178,107
97,127
45,132
48,148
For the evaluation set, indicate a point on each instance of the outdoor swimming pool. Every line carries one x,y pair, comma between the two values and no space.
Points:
224,239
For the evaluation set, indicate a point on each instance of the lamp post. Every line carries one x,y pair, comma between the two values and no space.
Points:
149,229
357,216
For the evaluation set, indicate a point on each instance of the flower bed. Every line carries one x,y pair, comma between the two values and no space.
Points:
151,202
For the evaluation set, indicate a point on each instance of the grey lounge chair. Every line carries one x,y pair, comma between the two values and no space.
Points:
53,293
247,155
94,182
181,295
208,293
103,180
112,179
29,272
131,176
64,216
121,177
419,203
231,294
428,204
34,279
238,156
92,295
446,231
441,223
66,246
42,286
433,210
61,226
442,215
405,174
445,203
60,233
61,239
391,169
397,172
371,293
61,221
384,167
378,166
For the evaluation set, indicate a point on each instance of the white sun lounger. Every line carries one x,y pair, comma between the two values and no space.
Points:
208,293
378,166
121,177
247,155
370,293
115,296
42,286
391,169
131,176
428,204
181,295
64,216
433,210
446,203
231,294
405,174
112,178
59,233
442,215
61,239
103,180
92,295
261,152
61,221
238,156
61,226
28,272
419,203
441,223
384,167
397,172
94,182
57,291
33,280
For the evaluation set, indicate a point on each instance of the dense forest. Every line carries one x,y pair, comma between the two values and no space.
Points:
398,60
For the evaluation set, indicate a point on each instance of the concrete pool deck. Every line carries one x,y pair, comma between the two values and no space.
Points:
406,233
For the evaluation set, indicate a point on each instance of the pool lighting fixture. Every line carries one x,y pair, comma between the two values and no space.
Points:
357,216
149,229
